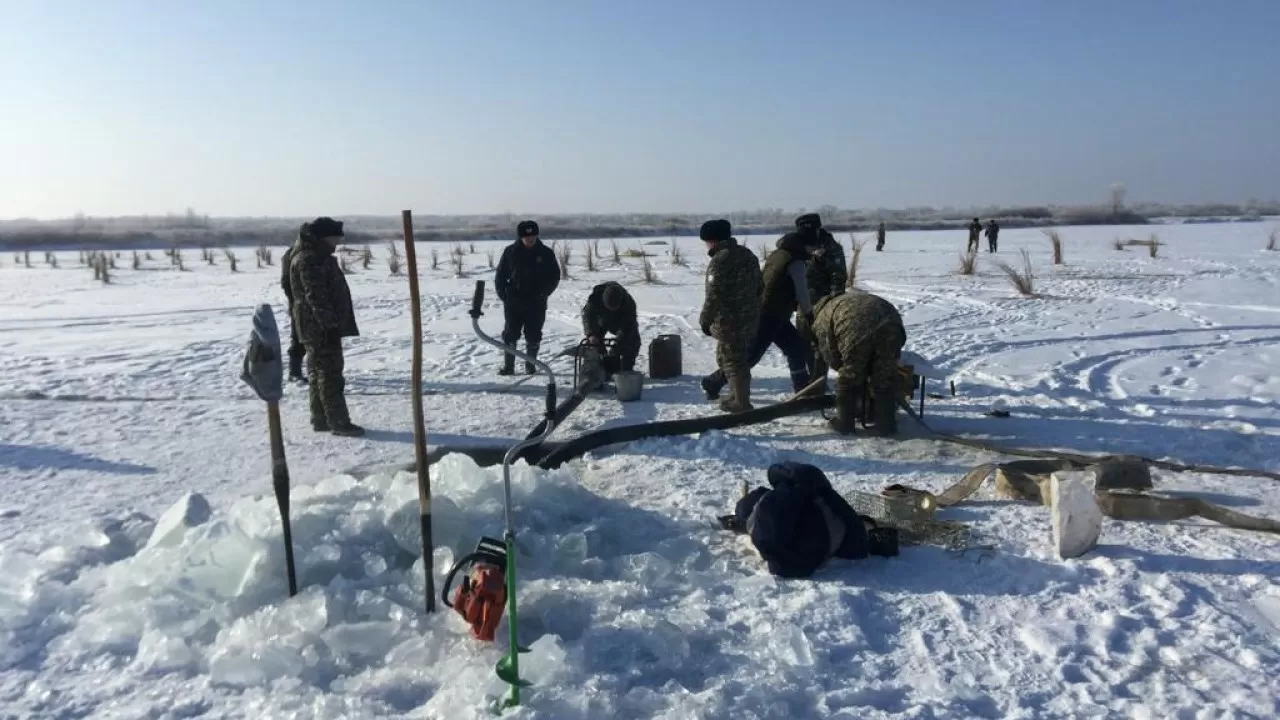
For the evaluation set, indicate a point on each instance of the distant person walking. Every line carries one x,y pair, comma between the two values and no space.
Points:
880,237
993,235
975,231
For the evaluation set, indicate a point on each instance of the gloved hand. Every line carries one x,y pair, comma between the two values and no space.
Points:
706,329
593,339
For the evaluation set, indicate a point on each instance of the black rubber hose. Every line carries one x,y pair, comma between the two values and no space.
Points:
629,433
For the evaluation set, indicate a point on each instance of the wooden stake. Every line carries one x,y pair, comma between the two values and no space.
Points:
419,424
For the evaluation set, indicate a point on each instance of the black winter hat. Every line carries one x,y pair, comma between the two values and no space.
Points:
715,230
323,227
612,296
526,228
812,220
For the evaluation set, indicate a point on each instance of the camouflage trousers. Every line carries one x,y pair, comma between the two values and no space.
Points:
328,403
733,358
875,359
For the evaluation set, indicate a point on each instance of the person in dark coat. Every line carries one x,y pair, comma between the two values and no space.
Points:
527,276
610,309
993,235
800,521
296,349
880,233
323,315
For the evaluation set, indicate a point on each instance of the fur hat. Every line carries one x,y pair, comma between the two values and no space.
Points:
526,228
809,220
612,296
715,230
323,227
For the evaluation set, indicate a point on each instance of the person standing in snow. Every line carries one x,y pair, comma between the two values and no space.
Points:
323,315
825,273
730,313
880,237
861,336
975,230
296,349
527,275
993,234
611,309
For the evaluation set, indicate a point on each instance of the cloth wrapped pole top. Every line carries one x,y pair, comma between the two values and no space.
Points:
263,369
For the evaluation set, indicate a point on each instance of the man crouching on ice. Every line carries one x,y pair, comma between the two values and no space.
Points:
800,522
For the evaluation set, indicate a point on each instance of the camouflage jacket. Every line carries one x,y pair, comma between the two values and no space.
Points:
598,320
284,275
321,298
842,322
731,308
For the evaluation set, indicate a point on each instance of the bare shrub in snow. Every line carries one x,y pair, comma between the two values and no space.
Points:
968,262
488,254
26,258
232,260
455,259
111,262
617,254
105,266
435,258
635,253
1153,245
393,259
1118,244
471,248
595,248
855,257
677,257
1021,280
646,271
366,257
82,259
1275,237
564,254
51,260
764,253
591,260
1055,238
147,256
137,261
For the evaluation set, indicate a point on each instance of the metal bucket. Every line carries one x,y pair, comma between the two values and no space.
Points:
629,384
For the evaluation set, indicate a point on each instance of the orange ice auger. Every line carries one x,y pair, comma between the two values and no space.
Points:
482,596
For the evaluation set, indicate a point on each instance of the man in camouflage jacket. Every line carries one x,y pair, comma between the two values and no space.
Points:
861,336
323,315
730,312
611,309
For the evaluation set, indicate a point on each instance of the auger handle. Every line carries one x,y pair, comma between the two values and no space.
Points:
477,299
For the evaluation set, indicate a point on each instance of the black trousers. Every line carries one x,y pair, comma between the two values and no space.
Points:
778,330
296,349
522,317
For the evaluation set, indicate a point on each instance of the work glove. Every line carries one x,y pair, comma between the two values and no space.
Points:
706,329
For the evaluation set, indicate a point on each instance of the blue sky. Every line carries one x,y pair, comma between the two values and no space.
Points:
303,108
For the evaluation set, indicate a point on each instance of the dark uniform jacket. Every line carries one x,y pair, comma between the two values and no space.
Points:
526,275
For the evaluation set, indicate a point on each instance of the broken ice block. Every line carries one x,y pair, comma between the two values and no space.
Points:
190,511
1077,521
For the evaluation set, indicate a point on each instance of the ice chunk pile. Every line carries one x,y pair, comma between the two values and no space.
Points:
197,602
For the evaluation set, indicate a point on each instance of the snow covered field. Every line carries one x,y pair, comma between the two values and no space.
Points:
121,596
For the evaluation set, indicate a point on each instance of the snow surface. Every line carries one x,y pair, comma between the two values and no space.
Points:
141,564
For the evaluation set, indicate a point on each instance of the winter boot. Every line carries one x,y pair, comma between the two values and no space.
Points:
508,365
739,399
848,407
530,368
886,414
320,424
348,429
713,384
295,370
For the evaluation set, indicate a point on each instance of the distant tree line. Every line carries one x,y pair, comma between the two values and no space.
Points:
192,229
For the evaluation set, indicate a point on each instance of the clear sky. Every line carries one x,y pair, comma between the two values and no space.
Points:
267,107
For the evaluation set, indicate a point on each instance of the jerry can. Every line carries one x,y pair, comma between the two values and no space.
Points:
665,359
